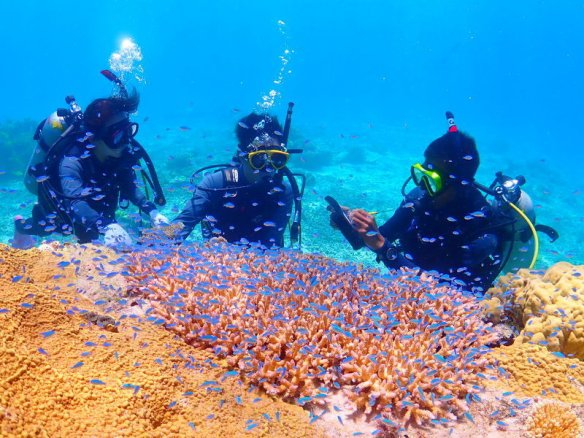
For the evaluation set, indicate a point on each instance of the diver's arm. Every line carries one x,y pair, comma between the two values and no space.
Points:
479,249
86,220
130,191
382,242
196,208
397,224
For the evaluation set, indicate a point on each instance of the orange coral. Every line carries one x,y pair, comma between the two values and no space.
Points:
299,325
553,421
71,367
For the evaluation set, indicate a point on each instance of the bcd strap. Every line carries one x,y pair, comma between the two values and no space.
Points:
231,175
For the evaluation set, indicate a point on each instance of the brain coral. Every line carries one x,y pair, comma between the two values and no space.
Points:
531,370
299,326
549,307
73,367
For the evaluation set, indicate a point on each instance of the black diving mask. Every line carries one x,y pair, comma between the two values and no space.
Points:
118,135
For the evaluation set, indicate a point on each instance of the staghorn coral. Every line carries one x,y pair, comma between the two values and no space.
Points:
553,421
532,371
549,308
71,367
300,325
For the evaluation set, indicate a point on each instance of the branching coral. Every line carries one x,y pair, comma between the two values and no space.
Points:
300,325
553,421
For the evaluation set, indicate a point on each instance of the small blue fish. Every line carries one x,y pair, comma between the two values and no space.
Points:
96,382
77,365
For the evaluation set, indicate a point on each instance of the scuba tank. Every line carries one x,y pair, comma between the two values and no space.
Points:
48,133
515,217
515,207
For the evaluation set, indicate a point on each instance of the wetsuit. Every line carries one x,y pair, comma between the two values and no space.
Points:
230,207
454,238
82,194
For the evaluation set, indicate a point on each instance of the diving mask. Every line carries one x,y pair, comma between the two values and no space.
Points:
428,179
119,135
276,158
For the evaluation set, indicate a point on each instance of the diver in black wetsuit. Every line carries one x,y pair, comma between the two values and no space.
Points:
88,177
442,225
247,201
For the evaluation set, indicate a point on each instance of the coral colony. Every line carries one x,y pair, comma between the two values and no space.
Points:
93,343
401,348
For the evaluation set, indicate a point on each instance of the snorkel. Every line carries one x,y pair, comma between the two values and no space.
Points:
111,76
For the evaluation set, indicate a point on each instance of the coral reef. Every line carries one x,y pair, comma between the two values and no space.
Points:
549,308
298,326
553,421
74,367
532,371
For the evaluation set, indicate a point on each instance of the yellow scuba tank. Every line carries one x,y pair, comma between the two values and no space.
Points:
47,135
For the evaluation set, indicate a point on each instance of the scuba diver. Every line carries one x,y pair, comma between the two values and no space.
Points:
83,168
445,223
248,200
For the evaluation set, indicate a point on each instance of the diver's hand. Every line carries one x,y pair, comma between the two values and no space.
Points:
479,249
158,219
115,235
367,228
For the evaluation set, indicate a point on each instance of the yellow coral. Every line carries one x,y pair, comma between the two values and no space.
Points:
550,307
534,372
553,421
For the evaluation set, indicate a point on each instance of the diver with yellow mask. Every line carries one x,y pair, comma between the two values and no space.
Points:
445,224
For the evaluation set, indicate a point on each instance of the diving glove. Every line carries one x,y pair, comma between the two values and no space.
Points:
158,219
115,235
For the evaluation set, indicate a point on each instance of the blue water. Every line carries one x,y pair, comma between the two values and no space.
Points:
371,81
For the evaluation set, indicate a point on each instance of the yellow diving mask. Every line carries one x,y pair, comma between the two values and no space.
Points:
276,158
427,179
